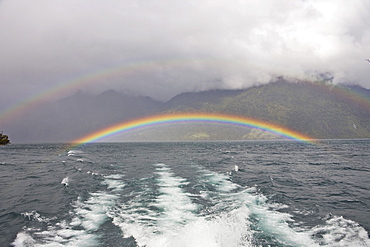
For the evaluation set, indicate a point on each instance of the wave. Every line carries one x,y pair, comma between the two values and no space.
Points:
65,181
203,208
75,152
79,230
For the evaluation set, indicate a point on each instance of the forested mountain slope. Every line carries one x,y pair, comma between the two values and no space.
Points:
316,109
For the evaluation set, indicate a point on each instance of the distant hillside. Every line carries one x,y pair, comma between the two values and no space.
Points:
315,109
318,110
80,114
199,99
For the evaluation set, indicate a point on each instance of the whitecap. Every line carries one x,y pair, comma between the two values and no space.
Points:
74,152
339,231
65,181
35,216
114,183
23,240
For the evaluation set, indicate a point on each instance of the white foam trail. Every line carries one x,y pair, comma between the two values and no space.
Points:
88,216
114,176
178,221
176,205
275,223
93,212
114,182
162,220
135,218
221,182
227,221
164,215
228,229
336,232
81,231
54,237
341,232
23,239
230,197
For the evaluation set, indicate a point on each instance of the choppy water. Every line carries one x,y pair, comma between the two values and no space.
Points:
186,194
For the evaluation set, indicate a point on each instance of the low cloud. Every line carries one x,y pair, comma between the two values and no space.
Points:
180,45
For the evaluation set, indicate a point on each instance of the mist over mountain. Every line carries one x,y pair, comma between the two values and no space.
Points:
320,110
78,115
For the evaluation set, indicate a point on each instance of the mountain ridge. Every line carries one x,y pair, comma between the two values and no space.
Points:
320,110
316,110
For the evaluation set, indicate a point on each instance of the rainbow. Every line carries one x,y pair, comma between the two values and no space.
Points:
191,117
102,75
97,76
120,70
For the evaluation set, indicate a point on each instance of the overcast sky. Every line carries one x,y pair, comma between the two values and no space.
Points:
178,46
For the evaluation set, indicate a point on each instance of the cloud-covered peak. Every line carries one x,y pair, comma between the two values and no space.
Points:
162,48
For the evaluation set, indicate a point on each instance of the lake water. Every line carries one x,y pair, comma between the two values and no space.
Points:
255,193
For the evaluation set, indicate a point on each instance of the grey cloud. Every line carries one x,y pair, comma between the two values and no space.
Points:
224,44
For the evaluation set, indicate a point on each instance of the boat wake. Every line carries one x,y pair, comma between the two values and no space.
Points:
164,209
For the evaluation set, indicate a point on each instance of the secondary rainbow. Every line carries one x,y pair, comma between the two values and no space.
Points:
120,71
191,117
97,76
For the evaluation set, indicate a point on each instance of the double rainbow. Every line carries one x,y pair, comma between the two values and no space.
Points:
94,77
121,71
191,117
